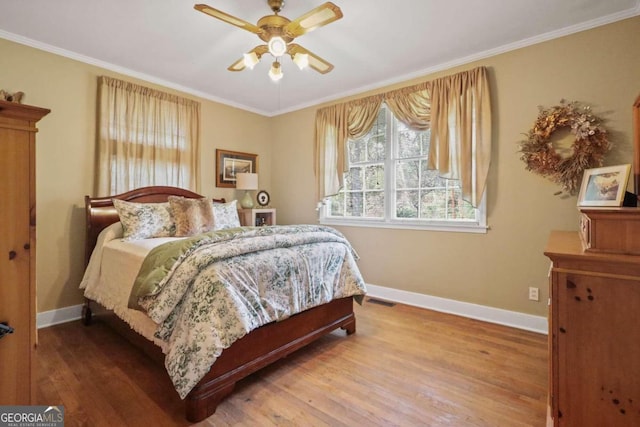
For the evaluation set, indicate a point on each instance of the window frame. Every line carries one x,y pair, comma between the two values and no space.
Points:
389,221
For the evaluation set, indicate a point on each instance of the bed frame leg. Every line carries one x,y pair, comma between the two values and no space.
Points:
198,407
350,326
87,315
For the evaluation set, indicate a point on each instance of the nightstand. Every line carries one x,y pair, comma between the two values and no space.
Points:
257,217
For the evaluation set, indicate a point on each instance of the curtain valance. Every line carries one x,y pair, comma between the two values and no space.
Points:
456,108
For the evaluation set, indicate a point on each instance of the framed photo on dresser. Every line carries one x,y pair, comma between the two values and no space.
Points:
604,186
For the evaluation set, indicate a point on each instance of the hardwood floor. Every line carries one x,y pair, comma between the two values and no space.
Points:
404,366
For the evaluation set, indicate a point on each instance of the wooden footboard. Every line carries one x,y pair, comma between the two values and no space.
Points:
262,347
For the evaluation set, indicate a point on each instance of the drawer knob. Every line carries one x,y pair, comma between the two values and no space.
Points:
12,255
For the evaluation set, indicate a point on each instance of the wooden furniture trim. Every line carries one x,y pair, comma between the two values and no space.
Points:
23,112
255,350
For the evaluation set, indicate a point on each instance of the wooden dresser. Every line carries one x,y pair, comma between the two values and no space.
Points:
17,250
594,322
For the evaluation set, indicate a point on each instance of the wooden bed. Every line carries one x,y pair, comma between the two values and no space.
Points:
254,351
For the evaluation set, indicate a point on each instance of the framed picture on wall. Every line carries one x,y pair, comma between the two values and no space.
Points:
604,186
229,163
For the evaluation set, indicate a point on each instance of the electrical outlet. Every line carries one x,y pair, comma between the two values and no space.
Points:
534,294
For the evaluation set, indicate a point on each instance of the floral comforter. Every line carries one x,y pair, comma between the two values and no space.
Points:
210,290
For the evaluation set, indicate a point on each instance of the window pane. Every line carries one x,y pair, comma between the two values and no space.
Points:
430,178
354,205
375,204
456,207
376,138
407,204
374,179
356,149
433,204
409,143
337,204
407,174
353,179
412,143
375,148
467,211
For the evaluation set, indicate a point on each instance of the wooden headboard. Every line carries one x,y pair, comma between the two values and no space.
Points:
100,212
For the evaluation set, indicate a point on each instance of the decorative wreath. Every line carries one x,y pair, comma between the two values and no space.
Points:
589,147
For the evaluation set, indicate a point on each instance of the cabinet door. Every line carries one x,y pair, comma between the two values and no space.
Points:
15,298
598,350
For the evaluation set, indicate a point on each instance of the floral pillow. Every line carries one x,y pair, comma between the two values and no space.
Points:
225,215
144,220
191,216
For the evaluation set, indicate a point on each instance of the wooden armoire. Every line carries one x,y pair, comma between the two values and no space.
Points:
17,251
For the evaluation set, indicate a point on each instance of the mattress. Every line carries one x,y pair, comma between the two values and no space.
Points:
110,275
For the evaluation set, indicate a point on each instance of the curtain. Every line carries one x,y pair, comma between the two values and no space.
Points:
461,130
145,137
334,126
456,108
411,106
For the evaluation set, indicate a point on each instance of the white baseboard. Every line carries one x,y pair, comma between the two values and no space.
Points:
474,311
60,315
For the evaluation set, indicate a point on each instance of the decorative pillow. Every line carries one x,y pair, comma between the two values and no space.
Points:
144,220
225,215
192,216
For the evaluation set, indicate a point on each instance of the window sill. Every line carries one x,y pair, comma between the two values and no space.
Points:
409,225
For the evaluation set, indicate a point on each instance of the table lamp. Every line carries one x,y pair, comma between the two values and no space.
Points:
247,182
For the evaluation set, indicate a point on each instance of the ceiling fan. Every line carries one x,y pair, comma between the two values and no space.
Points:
278,32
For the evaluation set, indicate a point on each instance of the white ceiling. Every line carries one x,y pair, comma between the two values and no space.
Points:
376,43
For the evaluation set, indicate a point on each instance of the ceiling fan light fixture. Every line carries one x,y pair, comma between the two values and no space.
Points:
276,71
277,46
301,60
250,60
279,33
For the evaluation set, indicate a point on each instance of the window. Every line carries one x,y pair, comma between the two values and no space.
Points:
389,185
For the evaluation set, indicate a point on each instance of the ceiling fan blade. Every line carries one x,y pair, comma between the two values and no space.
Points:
228,18
240,65
315,62
321,15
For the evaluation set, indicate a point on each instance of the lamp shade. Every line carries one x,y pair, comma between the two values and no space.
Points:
275,72
246,181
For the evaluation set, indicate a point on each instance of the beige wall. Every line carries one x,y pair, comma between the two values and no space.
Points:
65,157
599,67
